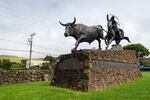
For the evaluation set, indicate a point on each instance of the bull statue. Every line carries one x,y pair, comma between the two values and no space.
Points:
83,33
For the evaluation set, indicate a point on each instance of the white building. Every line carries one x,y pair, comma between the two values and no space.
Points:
35,63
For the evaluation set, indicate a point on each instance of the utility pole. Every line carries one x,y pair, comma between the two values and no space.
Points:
30,40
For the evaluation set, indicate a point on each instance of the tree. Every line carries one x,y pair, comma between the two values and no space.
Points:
52,60
138,48
146,61
5,64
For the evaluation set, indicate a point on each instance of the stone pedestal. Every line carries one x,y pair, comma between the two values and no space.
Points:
116,47
89,70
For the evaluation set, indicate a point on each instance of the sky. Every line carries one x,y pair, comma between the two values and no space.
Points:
21,18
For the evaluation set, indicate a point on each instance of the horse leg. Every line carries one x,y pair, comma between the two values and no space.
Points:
127,39
117,41
106,41
109,42
107,45
99,42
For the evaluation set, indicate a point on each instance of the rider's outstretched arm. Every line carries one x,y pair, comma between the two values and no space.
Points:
107,18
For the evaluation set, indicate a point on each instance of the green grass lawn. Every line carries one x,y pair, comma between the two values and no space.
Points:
138,89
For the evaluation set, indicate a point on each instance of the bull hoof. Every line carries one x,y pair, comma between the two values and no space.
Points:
100,49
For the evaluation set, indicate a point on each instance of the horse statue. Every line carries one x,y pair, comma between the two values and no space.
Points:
114,33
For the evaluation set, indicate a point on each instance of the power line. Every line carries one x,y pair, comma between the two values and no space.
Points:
35,45
45,53
12,41
25,16
18,42
42,47
14,50
11,11
27,22
44,38
18,50
41,52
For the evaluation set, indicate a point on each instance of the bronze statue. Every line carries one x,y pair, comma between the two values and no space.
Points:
114,32
83,33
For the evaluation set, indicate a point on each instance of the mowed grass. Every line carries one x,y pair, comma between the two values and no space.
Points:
138,89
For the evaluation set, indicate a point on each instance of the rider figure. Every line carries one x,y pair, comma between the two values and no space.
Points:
113,26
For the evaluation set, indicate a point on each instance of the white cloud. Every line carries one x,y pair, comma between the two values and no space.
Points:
21,18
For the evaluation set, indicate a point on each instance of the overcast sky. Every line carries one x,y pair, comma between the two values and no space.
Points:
20,18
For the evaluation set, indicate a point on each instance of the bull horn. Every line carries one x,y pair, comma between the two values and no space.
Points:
62,23
73,21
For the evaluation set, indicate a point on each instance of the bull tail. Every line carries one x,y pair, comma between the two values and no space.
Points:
100,27
104,30
100,32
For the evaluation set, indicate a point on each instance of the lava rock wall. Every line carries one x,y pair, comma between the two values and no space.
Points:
20,76
89,70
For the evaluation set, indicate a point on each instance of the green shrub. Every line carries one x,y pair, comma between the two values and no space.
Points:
45,66
138,48
51,61
5,64
18,66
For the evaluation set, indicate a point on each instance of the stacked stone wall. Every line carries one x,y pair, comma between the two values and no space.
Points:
89,70
20,76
